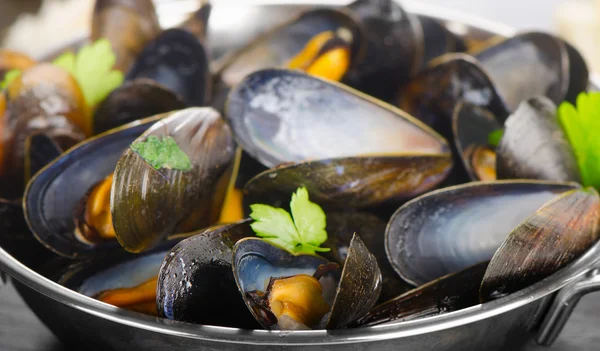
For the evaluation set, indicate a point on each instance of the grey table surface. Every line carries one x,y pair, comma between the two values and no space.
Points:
20,330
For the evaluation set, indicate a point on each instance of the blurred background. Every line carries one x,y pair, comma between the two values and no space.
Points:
575,20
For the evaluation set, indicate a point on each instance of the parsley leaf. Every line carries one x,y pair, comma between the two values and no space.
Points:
92,68
302,235
9,77
581,124
162,153
495,136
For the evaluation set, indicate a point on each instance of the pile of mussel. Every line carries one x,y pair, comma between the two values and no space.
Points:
381,115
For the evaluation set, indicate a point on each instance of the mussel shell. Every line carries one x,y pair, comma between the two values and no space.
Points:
282,116
255,261
128,25
437,40
559,232
196,282
450,229
13,222
134,100
359,286
53,194
394,52
579,75
534,145
40,150
471,126
341,227
276,47
148,204
178,61
434,93
352,182
528,65
446,294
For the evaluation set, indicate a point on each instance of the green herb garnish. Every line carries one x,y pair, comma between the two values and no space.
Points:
494,137
582,125
302,235
9,77
92,67
162,153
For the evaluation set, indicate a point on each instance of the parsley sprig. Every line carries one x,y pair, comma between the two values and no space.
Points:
581,124
302,235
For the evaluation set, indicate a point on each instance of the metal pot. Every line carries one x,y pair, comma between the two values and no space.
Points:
539,311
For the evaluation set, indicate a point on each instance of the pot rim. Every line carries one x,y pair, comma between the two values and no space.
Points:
560,279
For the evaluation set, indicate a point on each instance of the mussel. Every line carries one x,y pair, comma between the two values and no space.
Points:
45,99
55,197
450,229
151,201
196,282
178,61
128,25
326,129
284,291
12,60
321,41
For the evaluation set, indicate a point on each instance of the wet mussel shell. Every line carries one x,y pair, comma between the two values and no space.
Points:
534,145
352,182
54,193
552,237
280,116
450,229
149,204
438,40
196,282
255,261
134,100
115,269
279,45
534,64
471,126
394,42
341,227
128,25
40,150
446,294
178,61
433,95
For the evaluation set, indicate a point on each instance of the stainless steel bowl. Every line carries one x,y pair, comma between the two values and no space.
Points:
539,311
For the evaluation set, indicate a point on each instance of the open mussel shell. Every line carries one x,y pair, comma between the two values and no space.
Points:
256,261
43,99
134,100
352,182
471,126
433,94
178,61
341,227
534,145
450,229
394,41
351,295
279,45
534,64
118,278
128,25
359,287
447,294
148,204
56,191
280,116
196,282
559,232
438,40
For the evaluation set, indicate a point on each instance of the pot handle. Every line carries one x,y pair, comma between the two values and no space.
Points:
563,305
